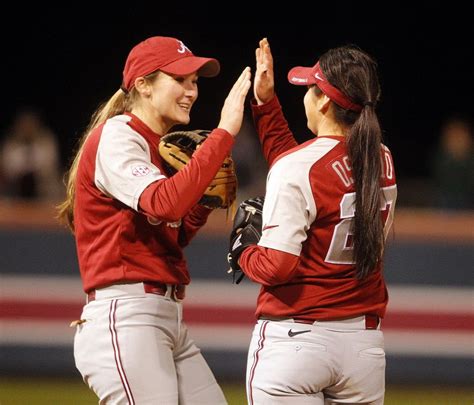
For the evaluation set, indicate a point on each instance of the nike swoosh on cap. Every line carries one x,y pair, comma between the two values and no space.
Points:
269,227
318,77
299,332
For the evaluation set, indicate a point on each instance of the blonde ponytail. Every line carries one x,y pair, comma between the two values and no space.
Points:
116,105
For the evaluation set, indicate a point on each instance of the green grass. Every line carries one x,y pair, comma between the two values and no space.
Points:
58,391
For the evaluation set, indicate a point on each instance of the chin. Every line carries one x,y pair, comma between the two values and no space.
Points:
185,120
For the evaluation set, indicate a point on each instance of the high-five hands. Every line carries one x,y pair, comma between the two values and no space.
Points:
264,83
232,113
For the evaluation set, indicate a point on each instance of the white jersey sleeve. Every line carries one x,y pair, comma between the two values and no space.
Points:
123,162
290,207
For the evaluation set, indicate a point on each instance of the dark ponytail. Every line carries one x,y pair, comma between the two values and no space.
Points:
363,144
354,73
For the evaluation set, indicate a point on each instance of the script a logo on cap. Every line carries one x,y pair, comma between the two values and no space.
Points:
183,48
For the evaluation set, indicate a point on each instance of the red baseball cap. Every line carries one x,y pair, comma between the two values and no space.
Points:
168,55
307,76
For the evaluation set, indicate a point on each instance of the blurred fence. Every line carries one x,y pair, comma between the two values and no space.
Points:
428,267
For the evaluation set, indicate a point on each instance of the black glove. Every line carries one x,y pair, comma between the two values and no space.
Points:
246,231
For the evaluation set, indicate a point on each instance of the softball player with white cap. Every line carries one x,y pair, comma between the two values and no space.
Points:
328,207
131,223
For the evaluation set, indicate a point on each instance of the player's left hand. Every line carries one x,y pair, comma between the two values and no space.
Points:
246,231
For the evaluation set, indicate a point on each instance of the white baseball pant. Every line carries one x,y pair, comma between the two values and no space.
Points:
331,362
134,348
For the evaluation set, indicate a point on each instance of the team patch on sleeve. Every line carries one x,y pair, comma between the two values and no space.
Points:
140,170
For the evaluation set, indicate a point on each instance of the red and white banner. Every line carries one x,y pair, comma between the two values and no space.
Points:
421,321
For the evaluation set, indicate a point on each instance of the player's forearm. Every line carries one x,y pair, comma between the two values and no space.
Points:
273,131
192,222
267,266
171,199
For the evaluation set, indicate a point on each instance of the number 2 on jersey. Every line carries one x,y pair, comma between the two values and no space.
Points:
340,250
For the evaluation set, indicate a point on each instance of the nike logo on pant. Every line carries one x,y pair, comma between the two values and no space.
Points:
299,332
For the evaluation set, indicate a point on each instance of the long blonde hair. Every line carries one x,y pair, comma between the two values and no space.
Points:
122,101
117,104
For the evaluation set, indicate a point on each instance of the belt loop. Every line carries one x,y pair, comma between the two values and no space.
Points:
174,293
179,292
90,297
169,291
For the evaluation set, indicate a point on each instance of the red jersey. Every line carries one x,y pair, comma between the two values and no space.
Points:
308,211
131,221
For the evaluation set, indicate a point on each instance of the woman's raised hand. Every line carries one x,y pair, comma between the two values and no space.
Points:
232,113
264,83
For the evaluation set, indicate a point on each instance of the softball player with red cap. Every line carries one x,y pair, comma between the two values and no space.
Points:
328,207
131,223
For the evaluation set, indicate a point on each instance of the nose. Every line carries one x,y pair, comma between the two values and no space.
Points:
191,92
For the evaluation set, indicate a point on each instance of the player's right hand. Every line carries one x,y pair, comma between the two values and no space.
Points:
264,83
232,112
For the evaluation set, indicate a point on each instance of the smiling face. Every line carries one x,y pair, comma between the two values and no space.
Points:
166,101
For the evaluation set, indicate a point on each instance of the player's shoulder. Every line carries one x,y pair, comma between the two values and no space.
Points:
308,153
118,122
117,131
295,167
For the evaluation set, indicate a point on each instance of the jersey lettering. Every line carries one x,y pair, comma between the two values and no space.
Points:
343,170
388,170
341,249
152,220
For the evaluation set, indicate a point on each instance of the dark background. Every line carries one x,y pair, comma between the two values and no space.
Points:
66,61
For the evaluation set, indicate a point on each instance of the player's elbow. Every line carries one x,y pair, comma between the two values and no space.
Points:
274,279
265,278
161,200
278,278
267,266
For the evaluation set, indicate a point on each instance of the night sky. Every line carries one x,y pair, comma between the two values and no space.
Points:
67,61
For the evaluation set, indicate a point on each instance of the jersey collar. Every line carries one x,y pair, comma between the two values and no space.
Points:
138,125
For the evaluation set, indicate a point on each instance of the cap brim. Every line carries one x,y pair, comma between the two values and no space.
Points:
206,67
301,76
